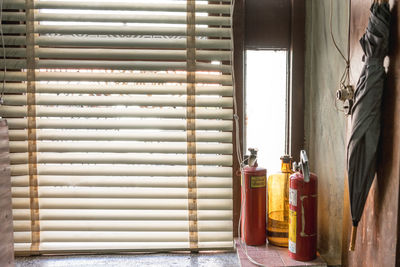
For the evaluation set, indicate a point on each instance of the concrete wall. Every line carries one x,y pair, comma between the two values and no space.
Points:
325,127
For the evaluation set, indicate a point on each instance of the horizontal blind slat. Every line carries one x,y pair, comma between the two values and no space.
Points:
115,54
117,30
120,170
118,158
125,225
105,247
113,65
110,100
118,5
121,147
92,88
123,203
118,77
93,236
122,192
109,123
121,214
119,135
110,181
126,42
121,112
121,18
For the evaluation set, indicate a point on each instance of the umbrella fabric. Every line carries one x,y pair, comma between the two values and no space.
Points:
366,112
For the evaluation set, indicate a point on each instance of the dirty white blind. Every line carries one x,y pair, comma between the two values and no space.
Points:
120,117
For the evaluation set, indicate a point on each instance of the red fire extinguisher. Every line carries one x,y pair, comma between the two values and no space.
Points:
253,202
303,212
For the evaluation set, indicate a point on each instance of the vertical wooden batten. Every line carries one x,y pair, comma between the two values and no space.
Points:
31,111
239,33
190,121
6,218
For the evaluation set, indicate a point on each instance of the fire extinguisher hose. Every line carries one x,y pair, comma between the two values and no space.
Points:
238,150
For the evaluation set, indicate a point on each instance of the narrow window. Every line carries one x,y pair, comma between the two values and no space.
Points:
266,105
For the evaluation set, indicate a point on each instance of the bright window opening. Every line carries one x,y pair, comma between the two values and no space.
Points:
265,94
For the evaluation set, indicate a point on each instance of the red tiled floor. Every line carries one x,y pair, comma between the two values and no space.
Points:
270,255
290,262
259,255
264,261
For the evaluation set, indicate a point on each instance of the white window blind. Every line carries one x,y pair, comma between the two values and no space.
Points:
120,118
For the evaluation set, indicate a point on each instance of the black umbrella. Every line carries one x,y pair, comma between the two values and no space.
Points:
366,112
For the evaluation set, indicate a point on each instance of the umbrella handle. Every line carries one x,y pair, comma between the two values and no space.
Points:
353,238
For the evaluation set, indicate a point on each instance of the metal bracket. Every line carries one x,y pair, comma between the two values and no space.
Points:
346,95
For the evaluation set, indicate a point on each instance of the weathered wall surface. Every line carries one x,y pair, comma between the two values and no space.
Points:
325,127
378,234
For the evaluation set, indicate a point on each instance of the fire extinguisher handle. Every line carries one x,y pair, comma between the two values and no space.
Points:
304,165
252,159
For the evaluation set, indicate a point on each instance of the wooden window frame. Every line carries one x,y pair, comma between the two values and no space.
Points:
286,30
